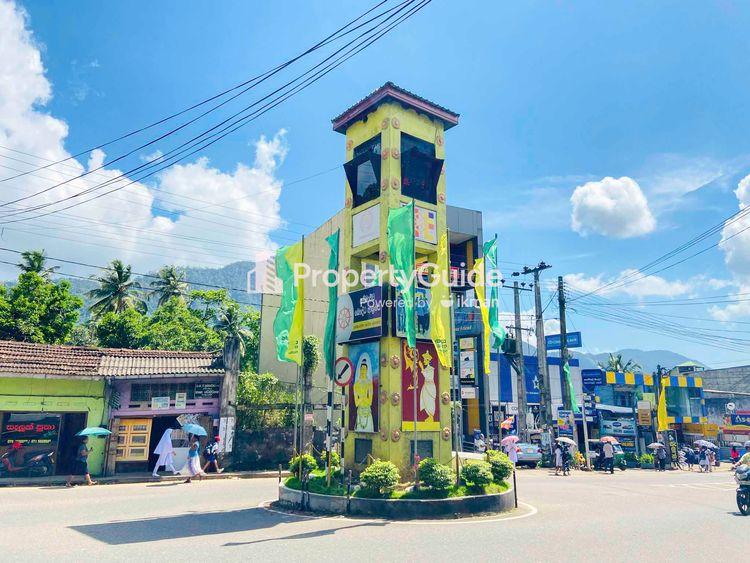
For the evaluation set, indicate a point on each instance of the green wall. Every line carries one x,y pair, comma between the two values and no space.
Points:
22,394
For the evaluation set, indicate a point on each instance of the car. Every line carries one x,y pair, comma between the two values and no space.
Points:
528,454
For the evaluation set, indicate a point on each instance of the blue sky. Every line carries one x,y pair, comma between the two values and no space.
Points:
552,95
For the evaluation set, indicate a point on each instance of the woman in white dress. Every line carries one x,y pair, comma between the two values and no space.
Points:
193,465
165,451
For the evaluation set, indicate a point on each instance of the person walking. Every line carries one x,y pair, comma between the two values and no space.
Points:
661,459
512,451
211,453
165,451
193,465
81,464
558,458
711,460
566,459
734,454
609,457
703,459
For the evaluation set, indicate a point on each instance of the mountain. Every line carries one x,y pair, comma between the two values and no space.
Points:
647,359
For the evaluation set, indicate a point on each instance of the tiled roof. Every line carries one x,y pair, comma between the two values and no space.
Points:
387,92
43,359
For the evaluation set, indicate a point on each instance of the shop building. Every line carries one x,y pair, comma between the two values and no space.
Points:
47,395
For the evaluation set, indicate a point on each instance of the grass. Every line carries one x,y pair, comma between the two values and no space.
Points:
317,484
453,492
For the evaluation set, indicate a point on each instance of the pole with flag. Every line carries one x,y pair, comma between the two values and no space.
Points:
329,344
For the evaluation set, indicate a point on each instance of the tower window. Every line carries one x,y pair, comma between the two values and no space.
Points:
420,170
363,171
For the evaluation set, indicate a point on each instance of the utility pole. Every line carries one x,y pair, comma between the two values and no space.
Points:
541,347
520,371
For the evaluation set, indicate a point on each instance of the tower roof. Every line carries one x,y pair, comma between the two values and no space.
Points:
390,92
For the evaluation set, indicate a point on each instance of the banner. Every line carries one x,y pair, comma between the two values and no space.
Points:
288,324
661,411
571,389
364,388
498,332
329,343
479,290
420,368
422,310
440,307
401,250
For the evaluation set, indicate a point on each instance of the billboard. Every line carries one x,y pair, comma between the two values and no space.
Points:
423,365
359,315
421,311
364,406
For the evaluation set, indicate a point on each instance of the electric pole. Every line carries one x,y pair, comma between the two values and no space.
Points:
545,406
566,398
520,371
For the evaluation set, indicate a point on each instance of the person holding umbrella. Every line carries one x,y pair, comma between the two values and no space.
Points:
81,465
509,445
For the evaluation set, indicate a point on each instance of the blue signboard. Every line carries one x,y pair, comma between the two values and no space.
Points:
591,378
740,419
468,321
359,315
554,341
508,374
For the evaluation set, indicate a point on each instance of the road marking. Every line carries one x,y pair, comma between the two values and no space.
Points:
532,510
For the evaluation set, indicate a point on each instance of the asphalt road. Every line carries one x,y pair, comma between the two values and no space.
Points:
632,515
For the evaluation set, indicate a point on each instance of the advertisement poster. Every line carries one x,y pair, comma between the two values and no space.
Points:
180,400
226,433
359,315
30,428
618,427
366,225
425,225
364,388
425,364
159,403
421,310
468,366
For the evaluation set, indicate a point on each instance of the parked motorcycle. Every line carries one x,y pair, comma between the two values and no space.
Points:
34,465
742,476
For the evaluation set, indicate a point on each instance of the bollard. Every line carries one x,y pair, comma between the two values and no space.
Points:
279,474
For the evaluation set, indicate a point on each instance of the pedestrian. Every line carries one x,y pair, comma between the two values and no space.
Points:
689,457
558,458
193,465
566,459
211,453
480,445
165,451
661,459
734,454
609,457
512,451
81,464
703,459
711,460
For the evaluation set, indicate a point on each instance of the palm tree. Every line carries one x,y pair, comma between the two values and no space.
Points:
117,291
614,363
230,321
171,283
36,261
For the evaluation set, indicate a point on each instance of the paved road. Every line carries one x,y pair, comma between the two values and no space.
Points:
635,515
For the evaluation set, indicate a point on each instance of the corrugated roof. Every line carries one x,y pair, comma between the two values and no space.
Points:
387,92
20,358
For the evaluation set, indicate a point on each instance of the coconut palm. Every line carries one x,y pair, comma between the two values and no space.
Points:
171,283
230,321
36,261
614,363
117,291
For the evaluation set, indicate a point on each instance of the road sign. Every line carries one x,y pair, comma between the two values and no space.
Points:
554,341
343,371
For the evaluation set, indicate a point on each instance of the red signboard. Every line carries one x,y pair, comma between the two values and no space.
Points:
425,362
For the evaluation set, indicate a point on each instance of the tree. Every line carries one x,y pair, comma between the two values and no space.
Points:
174,326
263,402
614,363
37,310
234,325
82,335
171,284
121,330
36,261
117,291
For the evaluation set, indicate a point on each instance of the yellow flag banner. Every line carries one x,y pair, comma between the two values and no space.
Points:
481,297
440,306
289,321
661,410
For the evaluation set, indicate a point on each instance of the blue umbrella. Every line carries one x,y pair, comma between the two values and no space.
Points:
195,429
94,431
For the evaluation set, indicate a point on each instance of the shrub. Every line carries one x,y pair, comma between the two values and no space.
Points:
308,464
435,475
380,478
500,465
647,459
477,475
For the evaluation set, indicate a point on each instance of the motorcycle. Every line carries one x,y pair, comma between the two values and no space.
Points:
742,476
34,465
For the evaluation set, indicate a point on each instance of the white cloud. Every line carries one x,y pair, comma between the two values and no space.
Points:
735,236
633,284
733,311
135,232
612,207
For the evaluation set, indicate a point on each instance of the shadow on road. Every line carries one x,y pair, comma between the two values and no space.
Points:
182,526
307,535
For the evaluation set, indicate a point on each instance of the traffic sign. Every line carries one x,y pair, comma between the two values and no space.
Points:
554,341
343,371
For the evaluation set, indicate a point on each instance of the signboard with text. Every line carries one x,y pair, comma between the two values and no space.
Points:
554,341
359,315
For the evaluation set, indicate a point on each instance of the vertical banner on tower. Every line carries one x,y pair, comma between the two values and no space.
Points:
440,306
329,343
428,390
481,297
497,330
288,324
401,250
364,387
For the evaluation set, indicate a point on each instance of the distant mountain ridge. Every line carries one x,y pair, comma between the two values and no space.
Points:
647,359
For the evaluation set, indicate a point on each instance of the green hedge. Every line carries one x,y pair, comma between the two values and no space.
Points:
500,465
380,478
477,475
435,475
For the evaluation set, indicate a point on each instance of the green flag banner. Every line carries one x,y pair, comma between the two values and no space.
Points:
287,326
329,344
498,333
401,250
571,389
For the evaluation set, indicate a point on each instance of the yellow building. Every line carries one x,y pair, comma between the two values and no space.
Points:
395,150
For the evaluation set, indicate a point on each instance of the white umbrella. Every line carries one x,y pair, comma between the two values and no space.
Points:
566,440
655,445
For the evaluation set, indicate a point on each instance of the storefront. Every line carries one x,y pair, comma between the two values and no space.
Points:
47,395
